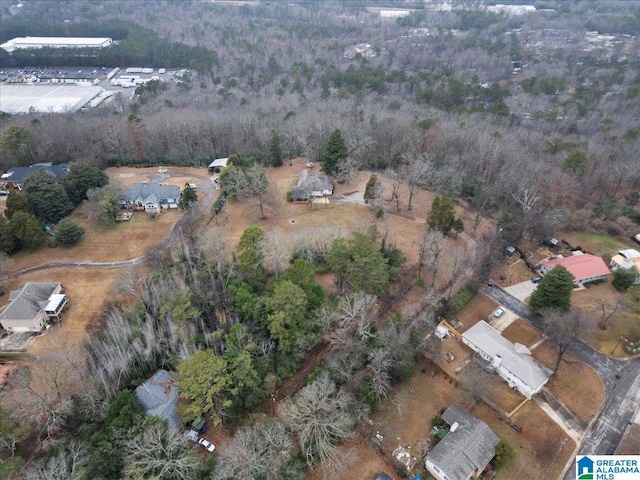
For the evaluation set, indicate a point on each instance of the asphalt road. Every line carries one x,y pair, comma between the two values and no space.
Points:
621,379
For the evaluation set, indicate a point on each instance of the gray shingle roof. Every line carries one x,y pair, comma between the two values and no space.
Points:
27,302
159,397
151,191
16,174
470,446
514,358
309,182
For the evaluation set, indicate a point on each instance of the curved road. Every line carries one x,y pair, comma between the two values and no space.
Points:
208,190
621,379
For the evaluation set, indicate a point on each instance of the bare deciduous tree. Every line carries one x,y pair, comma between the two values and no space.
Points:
256,451
320,416
160,452
352,318
379,365
67,464
565,330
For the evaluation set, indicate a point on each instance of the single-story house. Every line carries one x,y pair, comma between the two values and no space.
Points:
150,196
15,175
626,259
512,361
218,164
466,449
584,267
31,307
159,397
311,185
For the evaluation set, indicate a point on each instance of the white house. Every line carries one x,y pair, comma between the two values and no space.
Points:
150,197
33,306
512,361
466,449
626,259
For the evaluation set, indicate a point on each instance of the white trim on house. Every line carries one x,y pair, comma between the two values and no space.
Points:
513,362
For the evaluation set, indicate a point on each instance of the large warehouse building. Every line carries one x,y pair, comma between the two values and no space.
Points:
23,98
55,42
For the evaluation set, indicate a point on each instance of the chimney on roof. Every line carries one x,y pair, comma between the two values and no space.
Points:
497,360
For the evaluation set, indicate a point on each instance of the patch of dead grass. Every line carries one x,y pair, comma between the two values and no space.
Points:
479,308
576,384
631,443
522,332
539,449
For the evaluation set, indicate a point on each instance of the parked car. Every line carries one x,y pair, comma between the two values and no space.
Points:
498,313
4,193
207,445
636,238
199,425
536,279
193,186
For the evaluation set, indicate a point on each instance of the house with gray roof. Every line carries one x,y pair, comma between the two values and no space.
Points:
512,361
311,185
465,450
15,176
150,197
159,397
33,306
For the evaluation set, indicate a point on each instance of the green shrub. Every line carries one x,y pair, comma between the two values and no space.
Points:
457,302
289,196
504,452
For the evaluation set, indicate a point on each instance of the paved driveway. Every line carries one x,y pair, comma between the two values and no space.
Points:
522,290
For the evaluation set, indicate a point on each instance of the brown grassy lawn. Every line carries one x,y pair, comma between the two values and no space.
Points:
479,308
88,289
631,442
521,332
512,271
624,323
365,461
405,419
539,449
575,384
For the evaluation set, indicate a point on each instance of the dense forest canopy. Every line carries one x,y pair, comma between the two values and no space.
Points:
473,94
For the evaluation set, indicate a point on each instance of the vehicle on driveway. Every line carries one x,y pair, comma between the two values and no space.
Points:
498,313
207,445
536,279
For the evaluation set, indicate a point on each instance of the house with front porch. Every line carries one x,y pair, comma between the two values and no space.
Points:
584,267
33,306
150,197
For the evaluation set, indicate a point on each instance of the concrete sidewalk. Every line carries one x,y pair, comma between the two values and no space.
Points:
573,425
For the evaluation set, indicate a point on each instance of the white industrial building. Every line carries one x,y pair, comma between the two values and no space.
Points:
44,98
55,42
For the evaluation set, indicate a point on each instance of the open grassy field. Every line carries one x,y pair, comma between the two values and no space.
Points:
597,243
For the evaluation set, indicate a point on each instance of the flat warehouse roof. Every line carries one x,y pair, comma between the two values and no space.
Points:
38,42
45,98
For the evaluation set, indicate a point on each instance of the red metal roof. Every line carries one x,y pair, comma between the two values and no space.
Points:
581,266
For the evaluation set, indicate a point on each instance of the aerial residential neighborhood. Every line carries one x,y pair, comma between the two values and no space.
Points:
319,240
